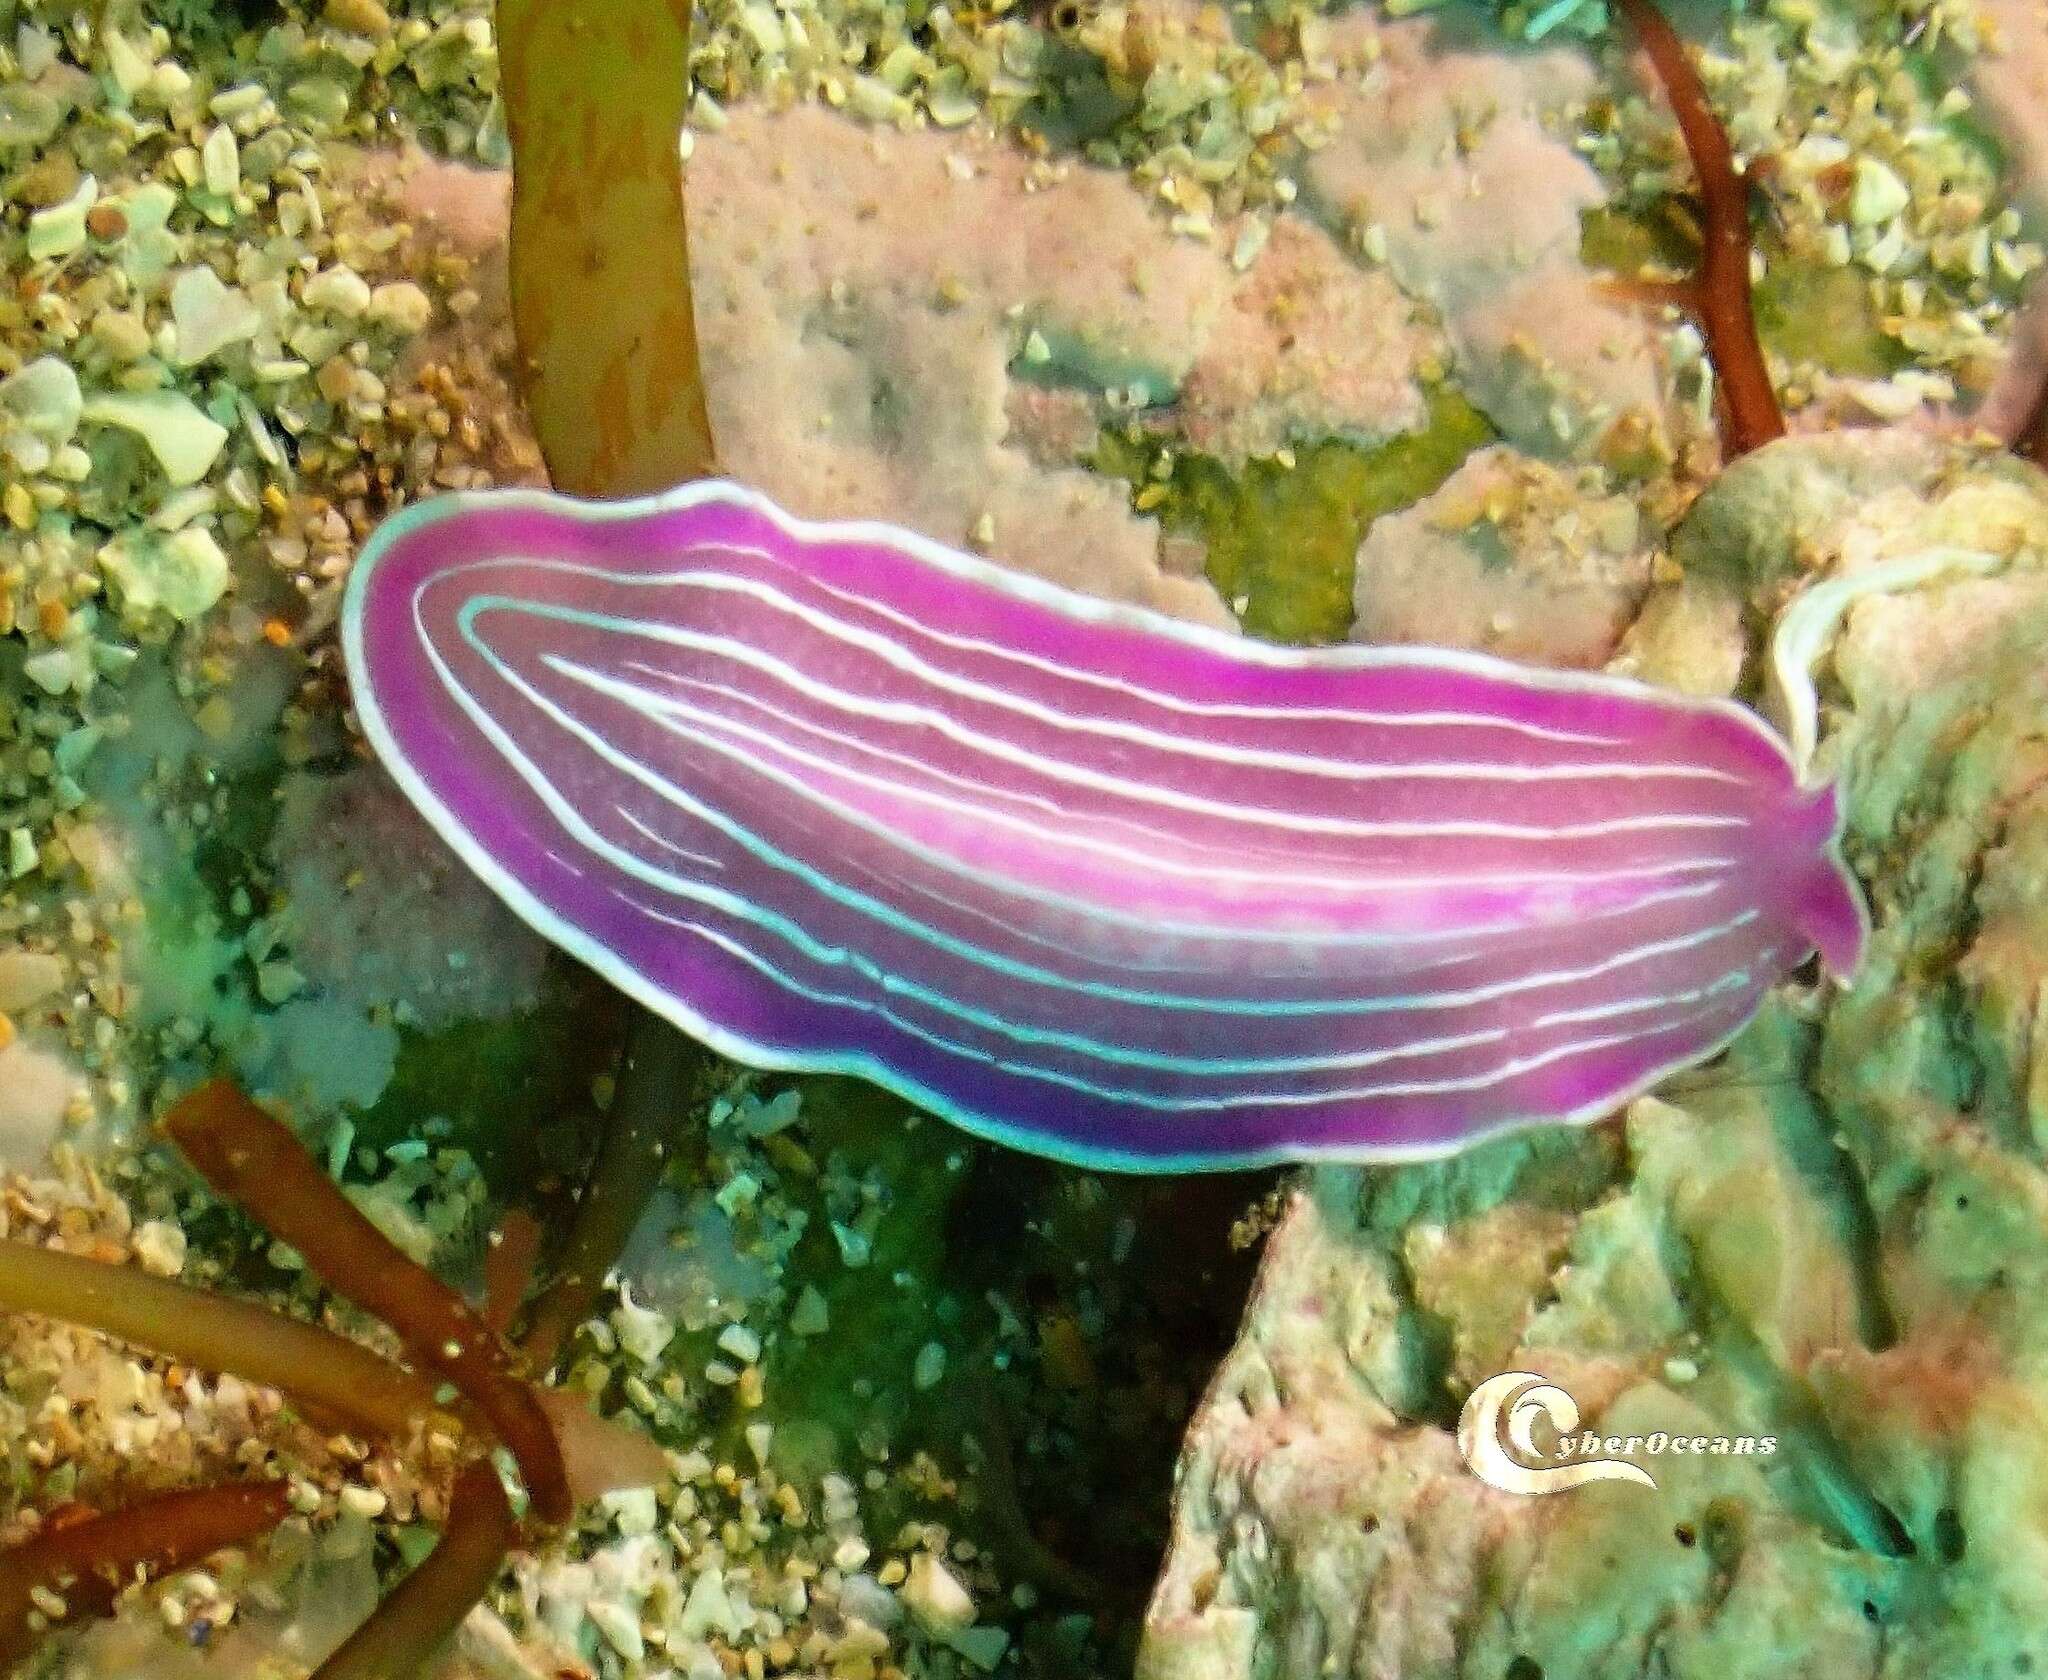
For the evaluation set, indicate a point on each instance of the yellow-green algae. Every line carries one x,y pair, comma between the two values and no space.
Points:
1806,312
1282,532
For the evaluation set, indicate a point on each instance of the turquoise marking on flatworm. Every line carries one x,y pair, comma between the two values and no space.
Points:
1080,878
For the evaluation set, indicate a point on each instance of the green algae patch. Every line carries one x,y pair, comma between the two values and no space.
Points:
1808,312
510,1091
1282,533
1625,243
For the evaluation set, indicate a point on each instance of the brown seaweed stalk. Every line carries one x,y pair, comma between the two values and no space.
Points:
420,1614
594,97
2030,442
511,1259
659,1077
314,1367
255,1161
1750,415
85,1564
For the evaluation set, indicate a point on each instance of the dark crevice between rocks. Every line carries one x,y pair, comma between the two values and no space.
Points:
1426,1339
1951,1543
1817,1479
1825,1486
1805,1130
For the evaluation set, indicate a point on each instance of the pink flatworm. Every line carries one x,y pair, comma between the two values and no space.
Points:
1088,880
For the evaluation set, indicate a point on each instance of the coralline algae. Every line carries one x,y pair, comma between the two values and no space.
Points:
1086,880
1832,1239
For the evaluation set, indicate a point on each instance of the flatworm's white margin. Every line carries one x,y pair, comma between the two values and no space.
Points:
1073,604
1805,626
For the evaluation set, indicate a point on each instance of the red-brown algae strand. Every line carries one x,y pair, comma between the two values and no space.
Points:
1750,416
511,1263
423,1611
255,1161
73,1569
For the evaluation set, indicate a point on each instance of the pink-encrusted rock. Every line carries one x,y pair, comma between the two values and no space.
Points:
922,327
1832,1241
860,297
1311,345
1510,555
1460,154
2011,85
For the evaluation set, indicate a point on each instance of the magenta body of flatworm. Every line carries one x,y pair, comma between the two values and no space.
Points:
1093,882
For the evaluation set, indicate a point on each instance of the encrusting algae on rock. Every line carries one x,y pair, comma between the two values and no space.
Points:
914,1398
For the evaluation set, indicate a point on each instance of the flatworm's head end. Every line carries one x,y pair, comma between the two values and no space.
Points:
1831,911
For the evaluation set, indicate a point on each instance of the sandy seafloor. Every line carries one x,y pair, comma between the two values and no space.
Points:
1319,322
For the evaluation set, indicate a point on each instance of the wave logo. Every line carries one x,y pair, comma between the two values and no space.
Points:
1497,1435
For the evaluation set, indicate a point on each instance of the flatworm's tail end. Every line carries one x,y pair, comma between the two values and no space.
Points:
1831,911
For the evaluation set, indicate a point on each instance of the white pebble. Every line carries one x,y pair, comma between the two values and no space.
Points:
934,1595
340,290
742,1343
27,977
160,1247
402,307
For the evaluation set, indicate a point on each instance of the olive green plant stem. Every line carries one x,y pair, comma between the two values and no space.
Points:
423,1611
595,95
313,1367
661,1083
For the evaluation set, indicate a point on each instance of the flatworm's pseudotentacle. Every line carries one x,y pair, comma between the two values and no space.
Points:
1096,883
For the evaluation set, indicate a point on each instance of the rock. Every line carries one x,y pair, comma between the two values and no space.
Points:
184,439
209,315
857,328
27,977
29,116
1453,149
1310,346
37,1087
1510,556
359,17
182,574
1831,1241
401,306
339,290
59,229
934,1596
1688,635
43,398
1771,511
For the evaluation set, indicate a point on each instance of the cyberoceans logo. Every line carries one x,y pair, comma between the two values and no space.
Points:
1497,1435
